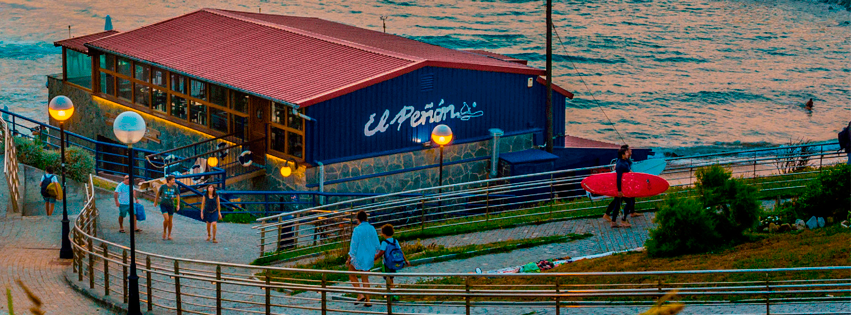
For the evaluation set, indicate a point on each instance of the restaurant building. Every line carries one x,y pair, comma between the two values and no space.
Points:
350,109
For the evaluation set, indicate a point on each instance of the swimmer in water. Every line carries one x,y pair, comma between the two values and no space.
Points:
809,105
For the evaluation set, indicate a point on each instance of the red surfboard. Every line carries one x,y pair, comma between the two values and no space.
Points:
633,184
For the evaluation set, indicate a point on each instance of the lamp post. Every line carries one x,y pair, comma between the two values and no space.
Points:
61,108
129,128
442,135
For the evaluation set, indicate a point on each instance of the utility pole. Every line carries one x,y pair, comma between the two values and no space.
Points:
384,22
549,129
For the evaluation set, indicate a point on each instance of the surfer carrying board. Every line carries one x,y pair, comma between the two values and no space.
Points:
623,165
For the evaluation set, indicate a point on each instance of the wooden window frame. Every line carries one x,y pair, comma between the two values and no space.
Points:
270,124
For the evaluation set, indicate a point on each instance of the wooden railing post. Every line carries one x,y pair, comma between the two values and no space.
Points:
219,290
467,296
422,213
767,295
124,273
91,266
105,269
389,296
80,257
278,240
323,293
263,239
268,292
148,279
178,303
558,298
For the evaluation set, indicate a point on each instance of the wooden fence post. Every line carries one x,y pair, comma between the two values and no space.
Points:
177,288
105,269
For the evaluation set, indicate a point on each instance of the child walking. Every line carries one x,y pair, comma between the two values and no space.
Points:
212,211
391,252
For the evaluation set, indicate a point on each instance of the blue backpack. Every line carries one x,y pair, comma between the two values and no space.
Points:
393,257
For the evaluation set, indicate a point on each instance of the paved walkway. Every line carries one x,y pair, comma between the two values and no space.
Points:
29,250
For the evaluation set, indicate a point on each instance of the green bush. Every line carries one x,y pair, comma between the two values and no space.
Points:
724,209
239,218
79,163
827,196
683,227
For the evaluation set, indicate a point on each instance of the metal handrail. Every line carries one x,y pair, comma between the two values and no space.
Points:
510,197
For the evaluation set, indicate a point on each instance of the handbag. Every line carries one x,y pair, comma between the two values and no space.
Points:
140,212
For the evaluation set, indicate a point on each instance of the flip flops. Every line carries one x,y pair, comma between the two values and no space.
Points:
121,231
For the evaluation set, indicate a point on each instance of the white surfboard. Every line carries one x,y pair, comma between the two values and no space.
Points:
650,166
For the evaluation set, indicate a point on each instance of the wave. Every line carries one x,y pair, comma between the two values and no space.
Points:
27,50
679,59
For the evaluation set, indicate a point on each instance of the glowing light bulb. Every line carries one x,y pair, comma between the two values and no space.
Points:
286,171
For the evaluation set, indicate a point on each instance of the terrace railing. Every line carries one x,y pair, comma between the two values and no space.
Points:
543,196
174,284
10,167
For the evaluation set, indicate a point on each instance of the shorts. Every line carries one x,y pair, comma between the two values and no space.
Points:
50,200
123,210
211,217
167,209
384,269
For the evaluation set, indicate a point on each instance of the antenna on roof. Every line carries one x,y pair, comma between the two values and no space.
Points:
259,10
384,23
69,31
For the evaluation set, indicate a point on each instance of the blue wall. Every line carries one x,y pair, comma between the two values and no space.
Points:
503,99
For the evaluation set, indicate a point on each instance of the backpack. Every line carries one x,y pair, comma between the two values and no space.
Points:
844,140
44,183
393,257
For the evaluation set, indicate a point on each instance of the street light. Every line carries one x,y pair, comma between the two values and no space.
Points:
61,108
442,135
129,128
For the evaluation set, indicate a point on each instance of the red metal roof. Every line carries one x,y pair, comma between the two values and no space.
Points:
290,59
556,88
77,43
497,56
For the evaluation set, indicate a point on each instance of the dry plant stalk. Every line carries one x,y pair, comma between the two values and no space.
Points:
36,309
665,309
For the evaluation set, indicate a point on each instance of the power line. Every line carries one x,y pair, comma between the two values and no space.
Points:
555,30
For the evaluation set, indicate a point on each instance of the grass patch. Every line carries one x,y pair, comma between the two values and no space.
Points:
336,259
821,247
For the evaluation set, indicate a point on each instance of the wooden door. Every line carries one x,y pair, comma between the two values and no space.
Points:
257,122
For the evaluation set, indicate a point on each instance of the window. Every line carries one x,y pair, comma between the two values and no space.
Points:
219,120
239,101
78,68
178,107
295,144
158,77
198,113
279,113
160,101
125,89
107,62
142,72
218,95
178,83
198,90
239,125
143,95
279,140
107,84
124,67
295,121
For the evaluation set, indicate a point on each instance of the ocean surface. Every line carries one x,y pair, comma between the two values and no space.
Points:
681,76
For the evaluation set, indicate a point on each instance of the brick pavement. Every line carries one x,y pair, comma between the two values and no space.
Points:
29,250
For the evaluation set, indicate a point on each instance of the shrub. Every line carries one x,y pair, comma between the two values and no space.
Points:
239,218
736,206
827,196
79,163
683,227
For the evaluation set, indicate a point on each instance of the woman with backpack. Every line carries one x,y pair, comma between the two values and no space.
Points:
49,199
391,253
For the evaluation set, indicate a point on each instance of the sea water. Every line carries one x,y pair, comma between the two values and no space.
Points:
680,76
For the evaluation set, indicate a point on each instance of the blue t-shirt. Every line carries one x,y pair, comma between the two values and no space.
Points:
383,246
123,193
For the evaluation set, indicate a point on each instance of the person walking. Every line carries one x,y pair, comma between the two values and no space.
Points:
212,212
362,250
390,252
168,197
623,165
845,141
49,200
122,201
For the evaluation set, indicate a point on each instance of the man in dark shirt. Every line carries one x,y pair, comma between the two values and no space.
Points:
623,165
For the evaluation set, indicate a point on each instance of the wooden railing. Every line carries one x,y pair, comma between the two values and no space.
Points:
10,167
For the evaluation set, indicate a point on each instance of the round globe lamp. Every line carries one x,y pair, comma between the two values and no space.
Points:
286,171
129,128
61,108
213,161
441,134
